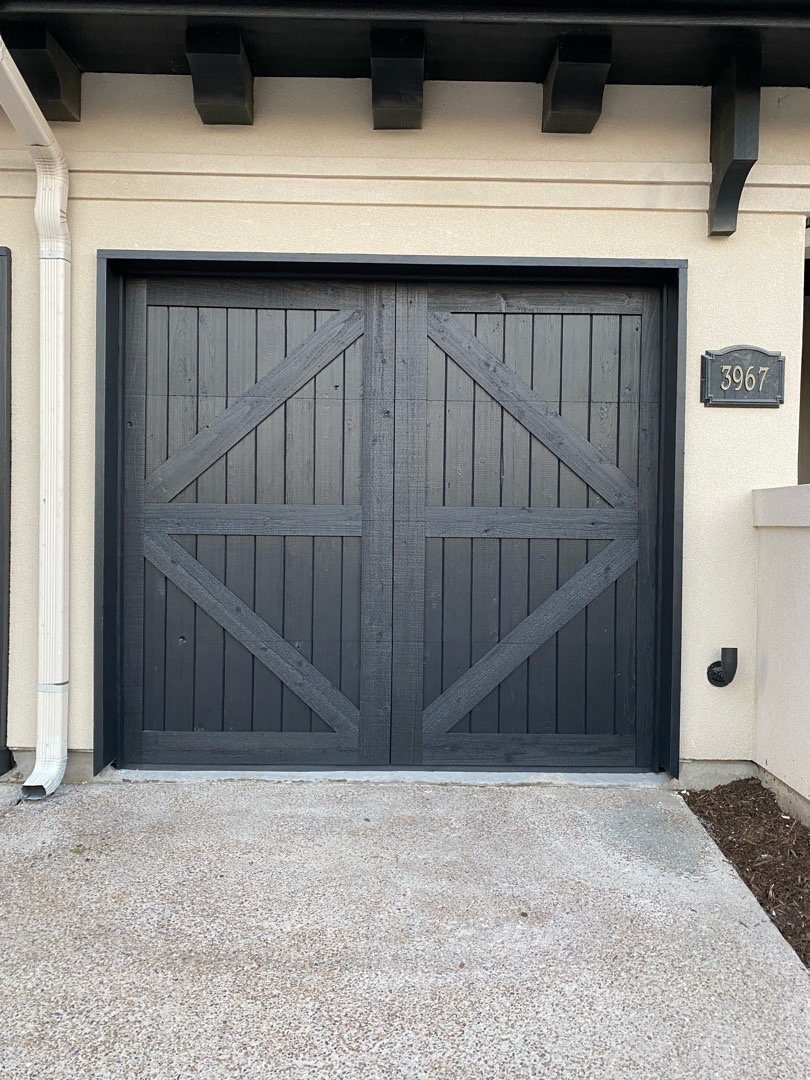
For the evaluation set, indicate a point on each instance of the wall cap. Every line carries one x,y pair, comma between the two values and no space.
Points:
783,507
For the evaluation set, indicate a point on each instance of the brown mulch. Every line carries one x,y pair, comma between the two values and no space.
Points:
769,850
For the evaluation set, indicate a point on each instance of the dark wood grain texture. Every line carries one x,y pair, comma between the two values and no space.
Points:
515,396
395,531
410,462
546,620
256,636
252,519
521,522
267,395
210,639
530,751
377,487
143,588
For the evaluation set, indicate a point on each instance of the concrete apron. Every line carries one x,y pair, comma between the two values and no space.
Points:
366,929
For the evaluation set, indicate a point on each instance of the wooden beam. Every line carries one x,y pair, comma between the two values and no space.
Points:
220,74
50,74
397,78
575,83
734,135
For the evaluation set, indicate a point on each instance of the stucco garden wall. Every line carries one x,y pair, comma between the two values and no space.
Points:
782,725
480,179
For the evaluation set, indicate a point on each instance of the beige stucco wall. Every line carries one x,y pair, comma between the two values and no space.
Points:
782,722
479,179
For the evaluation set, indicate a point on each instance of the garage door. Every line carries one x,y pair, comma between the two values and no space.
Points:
389,524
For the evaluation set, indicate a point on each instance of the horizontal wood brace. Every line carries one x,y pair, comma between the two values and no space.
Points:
516,522
530,523
247,748
252,519
460,750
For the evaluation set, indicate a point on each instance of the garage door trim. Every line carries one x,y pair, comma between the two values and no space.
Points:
114,267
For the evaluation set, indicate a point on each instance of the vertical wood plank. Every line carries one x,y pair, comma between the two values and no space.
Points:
377,541
488,423
629,400
513,691
298,550
545,476
603,433
410,459
352,546
434,548
458,459
328,550
209,646
240,551
180,610
271,335
571,639
135,669
154,447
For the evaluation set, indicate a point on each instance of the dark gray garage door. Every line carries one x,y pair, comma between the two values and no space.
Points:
389,524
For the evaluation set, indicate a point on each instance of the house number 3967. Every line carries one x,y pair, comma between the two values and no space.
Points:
735,376
743,375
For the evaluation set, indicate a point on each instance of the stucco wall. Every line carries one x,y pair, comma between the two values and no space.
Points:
782,726
480,179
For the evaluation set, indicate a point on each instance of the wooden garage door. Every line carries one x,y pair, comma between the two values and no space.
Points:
389,524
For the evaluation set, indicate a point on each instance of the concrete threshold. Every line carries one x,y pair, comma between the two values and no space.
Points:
393,776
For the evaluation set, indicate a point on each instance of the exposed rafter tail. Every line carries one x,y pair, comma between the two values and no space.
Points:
397,78
575,83
221,75
50,74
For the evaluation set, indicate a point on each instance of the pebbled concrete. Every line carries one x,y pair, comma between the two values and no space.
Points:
252,929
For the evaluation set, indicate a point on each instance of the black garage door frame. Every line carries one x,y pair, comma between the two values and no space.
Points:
115,266
6,759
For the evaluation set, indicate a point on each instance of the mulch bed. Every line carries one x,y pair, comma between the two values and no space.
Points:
769,850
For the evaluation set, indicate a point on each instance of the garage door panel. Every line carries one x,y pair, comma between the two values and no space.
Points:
273,391
315,606
545,657
374,532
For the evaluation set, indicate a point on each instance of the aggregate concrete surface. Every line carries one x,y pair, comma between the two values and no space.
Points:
324,929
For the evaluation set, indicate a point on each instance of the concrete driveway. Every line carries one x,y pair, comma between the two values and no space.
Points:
359,929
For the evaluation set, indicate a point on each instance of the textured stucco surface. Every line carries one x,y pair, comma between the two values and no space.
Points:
361,930
479,179
782,728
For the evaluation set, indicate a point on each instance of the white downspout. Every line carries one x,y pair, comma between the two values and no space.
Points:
50,212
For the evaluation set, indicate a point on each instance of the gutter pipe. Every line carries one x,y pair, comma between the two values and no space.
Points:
50,212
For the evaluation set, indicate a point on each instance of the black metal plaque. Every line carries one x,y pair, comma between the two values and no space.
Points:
743,375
